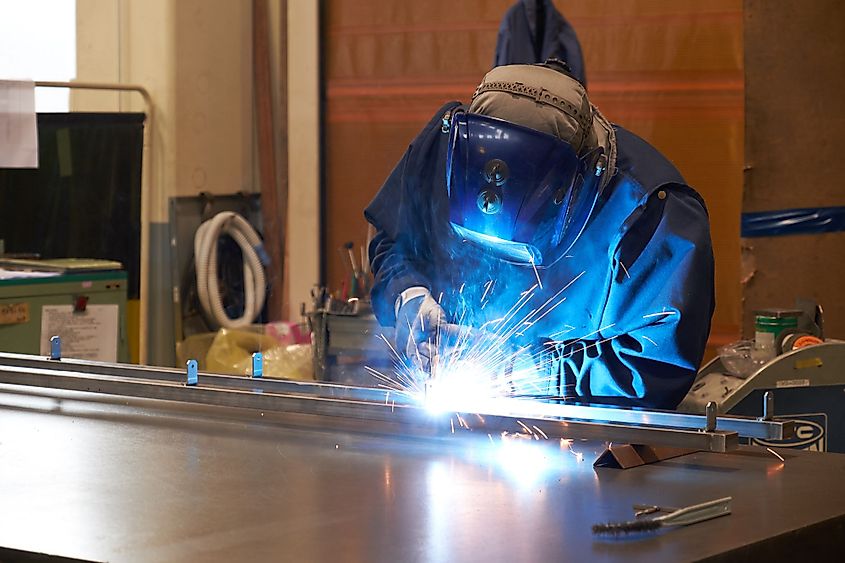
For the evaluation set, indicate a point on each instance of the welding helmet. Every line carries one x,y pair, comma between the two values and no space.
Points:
522,195
527,163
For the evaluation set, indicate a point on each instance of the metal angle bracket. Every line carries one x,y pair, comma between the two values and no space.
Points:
257,365
191,368
626,456
55,348
768,406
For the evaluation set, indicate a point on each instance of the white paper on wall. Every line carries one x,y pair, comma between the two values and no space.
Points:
18,131
91,334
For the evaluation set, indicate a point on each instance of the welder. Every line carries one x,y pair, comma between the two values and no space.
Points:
530,188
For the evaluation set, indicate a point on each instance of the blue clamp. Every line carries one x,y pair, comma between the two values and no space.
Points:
55,348
257,365
261,252
192,372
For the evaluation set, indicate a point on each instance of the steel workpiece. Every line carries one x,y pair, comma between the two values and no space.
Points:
624,425
403,418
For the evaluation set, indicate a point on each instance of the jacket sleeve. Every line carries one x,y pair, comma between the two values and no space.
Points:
403,213
656,320
390,256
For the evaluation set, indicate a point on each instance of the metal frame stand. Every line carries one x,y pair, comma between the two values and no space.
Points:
147,192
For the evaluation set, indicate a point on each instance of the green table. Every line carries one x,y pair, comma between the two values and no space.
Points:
87,310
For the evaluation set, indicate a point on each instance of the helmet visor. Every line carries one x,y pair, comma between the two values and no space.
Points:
518,193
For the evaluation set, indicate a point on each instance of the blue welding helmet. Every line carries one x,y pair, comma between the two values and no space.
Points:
521,195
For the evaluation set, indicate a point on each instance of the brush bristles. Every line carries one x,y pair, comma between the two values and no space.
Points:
634,526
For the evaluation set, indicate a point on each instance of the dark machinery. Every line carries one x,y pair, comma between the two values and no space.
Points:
808,385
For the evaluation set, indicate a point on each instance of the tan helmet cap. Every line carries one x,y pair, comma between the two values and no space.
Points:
548,101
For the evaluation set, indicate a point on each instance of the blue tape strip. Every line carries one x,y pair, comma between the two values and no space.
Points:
793,222
263,257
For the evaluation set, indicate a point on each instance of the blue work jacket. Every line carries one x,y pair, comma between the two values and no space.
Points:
639,281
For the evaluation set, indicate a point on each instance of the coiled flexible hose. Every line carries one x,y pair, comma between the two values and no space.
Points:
254,260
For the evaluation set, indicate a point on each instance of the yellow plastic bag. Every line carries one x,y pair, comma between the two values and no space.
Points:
231,353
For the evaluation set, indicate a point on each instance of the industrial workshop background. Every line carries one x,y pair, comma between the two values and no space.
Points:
195,58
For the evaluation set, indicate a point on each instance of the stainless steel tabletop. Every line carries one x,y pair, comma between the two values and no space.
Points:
120,479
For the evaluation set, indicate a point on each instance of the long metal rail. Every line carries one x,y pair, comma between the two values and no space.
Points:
351,413
381,406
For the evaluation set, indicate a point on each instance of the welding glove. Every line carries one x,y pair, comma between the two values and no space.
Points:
420,325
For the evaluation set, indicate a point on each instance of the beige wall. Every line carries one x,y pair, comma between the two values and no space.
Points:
193,56
303,150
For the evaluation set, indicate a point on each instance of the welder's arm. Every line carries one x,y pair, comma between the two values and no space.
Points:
394,273
421,327
422,331
656,321
402,213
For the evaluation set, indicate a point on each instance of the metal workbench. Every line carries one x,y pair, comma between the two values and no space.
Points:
99,476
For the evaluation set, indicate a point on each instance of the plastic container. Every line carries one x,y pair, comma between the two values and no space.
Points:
739,358
768,326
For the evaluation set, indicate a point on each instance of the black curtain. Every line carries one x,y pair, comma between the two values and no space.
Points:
84,199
